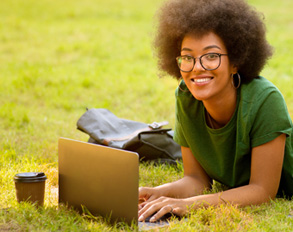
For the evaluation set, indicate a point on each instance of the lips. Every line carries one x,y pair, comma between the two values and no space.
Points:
200,80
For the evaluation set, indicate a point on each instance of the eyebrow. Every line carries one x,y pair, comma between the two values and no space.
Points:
206,48
212,46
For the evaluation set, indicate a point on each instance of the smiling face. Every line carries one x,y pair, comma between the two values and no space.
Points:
204,84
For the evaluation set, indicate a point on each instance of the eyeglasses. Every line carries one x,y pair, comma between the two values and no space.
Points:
209,61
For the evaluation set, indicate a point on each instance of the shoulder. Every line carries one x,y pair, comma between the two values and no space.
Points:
259,94
263,111
257,89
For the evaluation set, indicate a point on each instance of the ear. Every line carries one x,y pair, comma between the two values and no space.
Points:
234,69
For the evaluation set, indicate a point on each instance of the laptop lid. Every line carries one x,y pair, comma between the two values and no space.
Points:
103,179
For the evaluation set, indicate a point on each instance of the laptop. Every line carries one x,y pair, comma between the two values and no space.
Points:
102,179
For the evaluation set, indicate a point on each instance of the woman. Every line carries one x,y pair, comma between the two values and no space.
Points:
233,126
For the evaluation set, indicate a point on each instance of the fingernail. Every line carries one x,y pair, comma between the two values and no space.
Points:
153,219
141,218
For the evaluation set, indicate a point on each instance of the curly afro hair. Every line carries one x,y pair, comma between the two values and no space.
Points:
239,26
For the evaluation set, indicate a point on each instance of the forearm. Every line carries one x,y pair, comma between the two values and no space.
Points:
266,168
186,187
194,182
242,196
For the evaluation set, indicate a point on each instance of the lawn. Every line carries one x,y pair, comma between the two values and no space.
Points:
58,58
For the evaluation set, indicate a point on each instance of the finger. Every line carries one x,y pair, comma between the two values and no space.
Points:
178,211
144,193
143,208
143,202
152,197
140,206
164,210
150,207
148,203
147,211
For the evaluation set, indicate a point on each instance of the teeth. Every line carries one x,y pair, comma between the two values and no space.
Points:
201,80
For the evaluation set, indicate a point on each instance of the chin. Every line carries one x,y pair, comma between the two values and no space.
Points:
201,97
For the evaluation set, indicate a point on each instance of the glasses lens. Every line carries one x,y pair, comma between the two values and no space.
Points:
210,61
185,63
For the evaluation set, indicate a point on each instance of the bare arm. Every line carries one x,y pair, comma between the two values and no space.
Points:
266,168
193,183
195,179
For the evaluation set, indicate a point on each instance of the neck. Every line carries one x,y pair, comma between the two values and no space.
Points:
221,110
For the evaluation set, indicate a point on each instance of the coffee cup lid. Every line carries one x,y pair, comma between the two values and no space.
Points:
30,177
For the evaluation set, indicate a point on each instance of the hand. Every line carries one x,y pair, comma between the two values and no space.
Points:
148,194
161,206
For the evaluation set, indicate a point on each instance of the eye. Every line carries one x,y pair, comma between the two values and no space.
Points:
187,58
211,56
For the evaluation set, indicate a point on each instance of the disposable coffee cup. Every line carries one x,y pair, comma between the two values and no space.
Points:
30,187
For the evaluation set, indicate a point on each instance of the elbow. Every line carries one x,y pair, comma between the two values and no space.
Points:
263,194
198,184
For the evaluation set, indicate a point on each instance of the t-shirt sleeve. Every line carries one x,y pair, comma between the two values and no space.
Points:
178,135
178,131
271,118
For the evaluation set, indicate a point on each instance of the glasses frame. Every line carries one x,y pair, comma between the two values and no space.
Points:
194,61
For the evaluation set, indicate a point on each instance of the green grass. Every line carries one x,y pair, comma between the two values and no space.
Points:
59,57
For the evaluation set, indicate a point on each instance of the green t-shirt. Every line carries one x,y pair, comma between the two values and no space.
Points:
261,115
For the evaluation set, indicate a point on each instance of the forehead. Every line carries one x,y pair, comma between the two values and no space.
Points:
200,42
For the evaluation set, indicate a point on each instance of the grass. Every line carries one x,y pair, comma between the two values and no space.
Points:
59,57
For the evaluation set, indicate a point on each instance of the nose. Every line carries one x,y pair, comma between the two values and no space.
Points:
197,66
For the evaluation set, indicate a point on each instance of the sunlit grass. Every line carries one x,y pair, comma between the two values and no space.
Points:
59,57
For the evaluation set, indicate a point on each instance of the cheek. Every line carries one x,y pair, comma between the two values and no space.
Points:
225,70
185,75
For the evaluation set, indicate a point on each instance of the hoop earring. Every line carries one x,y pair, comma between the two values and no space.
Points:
179,80
238,81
